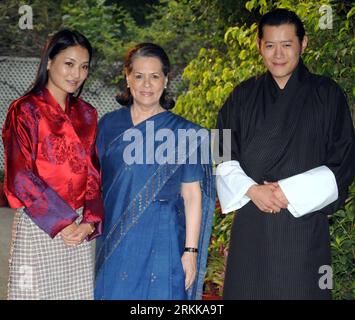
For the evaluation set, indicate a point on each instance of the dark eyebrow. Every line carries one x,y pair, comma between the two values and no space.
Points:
72,59
279,41
158,72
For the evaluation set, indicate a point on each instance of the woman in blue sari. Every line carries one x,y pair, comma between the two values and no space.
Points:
158,191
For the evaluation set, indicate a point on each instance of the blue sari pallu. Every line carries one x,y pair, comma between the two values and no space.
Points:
139,254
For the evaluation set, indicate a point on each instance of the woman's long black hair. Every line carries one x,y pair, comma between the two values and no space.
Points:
58,42
145,50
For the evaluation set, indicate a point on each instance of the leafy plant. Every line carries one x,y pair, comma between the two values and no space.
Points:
109,28
218,252
342,232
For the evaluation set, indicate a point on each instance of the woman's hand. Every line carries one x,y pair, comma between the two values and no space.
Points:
65,233
73,236
189,264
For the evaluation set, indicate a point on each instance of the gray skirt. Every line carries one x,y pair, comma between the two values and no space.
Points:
41,268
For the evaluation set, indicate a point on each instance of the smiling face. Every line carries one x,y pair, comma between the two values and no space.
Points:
146,81
281,49
68,70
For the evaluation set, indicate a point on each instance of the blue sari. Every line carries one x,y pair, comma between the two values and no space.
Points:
139,254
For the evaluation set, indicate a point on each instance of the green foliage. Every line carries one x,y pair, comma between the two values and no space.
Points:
181,27
112,31
217,252
222,13
138,9
342,231
213,75
175,27
28,42
109,29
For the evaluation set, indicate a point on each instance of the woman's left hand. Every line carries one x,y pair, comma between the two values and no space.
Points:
189,264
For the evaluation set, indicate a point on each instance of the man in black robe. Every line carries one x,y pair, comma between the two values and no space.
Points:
292,160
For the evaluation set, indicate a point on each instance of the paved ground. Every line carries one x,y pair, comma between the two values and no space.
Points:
6,216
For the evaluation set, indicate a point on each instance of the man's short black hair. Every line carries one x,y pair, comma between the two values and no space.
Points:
278,17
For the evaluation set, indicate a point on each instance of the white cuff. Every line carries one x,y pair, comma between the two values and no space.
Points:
232,185
309,191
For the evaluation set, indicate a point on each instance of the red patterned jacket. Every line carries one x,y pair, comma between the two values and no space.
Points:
51,165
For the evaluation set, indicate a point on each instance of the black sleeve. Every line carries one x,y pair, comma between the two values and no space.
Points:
340,146
228,124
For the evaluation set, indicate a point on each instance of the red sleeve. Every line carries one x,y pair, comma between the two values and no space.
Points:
93,208
22,185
